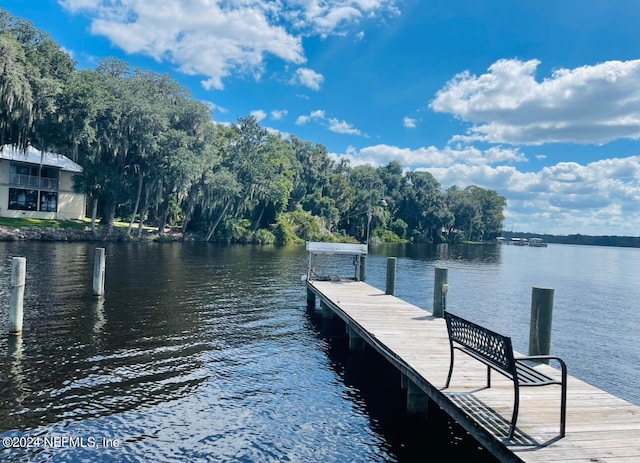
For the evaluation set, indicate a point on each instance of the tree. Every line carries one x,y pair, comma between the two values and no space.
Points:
424,208
33,72
478,212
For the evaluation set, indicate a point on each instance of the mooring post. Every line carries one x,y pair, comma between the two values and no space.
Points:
16,312
440,289
98,273
541,316
363,268
392,263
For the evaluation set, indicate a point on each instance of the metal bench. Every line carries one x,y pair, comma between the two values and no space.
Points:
496,351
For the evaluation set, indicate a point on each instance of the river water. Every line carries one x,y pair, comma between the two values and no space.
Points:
206,353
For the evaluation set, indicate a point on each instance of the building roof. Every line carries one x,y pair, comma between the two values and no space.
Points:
34,156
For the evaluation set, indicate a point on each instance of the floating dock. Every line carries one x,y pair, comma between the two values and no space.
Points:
601,428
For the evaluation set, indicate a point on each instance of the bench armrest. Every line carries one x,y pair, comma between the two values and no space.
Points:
563,365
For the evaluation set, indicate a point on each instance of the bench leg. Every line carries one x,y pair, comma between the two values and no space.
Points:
516,405
563,406
488,376
450,370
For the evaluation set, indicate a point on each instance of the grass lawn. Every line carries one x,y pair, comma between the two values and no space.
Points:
77,224
25,222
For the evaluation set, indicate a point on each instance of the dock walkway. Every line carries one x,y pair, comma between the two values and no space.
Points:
601,428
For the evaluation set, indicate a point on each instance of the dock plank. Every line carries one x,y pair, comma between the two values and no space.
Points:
600,427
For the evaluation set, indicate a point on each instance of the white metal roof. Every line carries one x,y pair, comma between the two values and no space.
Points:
316,247
34,156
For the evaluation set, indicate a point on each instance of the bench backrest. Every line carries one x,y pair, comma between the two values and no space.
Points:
491,346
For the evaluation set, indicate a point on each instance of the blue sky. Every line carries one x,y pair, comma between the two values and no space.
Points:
539,100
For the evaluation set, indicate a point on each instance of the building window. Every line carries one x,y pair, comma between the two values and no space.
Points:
23,200
48,201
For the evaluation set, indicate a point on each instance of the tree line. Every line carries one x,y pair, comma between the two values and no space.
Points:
152,154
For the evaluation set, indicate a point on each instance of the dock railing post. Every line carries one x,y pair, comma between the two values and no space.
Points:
392,263
363,268
98,273
541,317
16,312
440,289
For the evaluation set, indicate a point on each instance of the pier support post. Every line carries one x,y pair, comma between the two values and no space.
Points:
440,289
311,299
326,310
16,312
541,317
417,400
355,341
392,263
98,273
363,268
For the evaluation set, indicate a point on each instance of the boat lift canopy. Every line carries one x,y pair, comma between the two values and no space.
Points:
315,248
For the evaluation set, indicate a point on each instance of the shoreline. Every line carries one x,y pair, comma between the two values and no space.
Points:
76,234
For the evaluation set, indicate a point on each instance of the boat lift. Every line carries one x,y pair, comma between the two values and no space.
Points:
315,249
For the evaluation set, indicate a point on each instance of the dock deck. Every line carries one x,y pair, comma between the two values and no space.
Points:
601,428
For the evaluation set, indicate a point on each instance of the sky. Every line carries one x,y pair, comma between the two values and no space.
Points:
537,100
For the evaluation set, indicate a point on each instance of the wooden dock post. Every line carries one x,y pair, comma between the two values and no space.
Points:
311,299
417,400
98,273
363,268
355,341
440,289
16,312
392,263
541,316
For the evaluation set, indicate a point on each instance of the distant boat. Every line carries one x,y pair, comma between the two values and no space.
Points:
537,243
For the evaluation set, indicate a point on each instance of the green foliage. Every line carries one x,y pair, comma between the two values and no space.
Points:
264,236
151,152
387,236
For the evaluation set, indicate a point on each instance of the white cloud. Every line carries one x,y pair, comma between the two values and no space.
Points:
259,114
333,124
309,78
599,198
589,104
409,123
434,157
279,114
343,127
217,38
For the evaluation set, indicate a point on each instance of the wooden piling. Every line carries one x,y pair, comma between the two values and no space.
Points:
440,291
417,400
355,342
311,300
363,268
392,263
541,317
99,273
16,311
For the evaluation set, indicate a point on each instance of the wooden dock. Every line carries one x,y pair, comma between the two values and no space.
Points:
601,428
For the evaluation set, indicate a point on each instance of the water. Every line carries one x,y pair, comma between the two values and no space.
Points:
198,353
205,353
